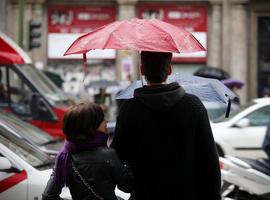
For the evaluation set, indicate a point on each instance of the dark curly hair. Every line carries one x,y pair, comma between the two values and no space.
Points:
81,121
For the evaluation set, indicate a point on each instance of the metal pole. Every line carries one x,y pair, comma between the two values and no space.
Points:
21,21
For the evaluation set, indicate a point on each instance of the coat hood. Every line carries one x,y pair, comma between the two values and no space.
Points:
160,97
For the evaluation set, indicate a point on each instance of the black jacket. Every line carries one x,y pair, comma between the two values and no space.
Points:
101,169
165,136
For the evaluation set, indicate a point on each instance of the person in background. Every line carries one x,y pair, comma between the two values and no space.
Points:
86,165
103,99
266,92
3,97
164,135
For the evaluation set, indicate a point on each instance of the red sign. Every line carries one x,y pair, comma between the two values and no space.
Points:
193,18
78,19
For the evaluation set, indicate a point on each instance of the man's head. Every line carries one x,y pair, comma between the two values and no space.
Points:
156,66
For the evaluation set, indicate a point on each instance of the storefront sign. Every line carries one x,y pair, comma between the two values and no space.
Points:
191,17
66,23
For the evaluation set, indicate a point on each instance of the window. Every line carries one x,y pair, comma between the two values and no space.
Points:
20,94
260,117
25,151
15,91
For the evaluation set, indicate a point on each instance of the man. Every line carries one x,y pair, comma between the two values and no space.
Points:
164,135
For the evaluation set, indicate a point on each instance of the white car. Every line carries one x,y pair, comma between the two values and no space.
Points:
243,132
25,170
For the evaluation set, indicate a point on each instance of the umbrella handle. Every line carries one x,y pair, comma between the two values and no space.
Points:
139,66
228,108
84,65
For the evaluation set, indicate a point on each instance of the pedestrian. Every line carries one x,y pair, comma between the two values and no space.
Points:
86,165
3,97
164,135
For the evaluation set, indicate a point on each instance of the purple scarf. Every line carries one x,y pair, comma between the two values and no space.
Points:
62,163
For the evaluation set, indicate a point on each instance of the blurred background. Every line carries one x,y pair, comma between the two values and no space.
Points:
38,83
236,34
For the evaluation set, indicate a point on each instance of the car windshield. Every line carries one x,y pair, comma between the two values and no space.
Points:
233,113
24,150
45,86
25,130
215,110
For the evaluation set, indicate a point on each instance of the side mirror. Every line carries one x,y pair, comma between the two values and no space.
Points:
6,166
243,123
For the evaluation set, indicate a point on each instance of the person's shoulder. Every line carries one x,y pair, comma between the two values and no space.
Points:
107,152
191,98
128,104
193,101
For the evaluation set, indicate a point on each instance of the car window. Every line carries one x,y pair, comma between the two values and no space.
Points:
233,113
260,117
18,90
27,152
45,86
24,129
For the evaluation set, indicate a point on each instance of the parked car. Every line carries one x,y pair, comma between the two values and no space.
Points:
243,132
25,170
13,126
27,92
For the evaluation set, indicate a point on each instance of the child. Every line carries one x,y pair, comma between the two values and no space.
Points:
86,165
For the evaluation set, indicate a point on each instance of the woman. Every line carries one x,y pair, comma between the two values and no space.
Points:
86,165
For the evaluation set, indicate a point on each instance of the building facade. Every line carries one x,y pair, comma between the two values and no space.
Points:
236,34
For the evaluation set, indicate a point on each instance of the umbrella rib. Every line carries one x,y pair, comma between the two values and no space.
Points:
188,34
108,38
79,38
160,28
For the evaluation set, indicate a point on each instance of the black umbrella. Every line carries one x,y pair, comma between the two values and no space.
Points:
211,72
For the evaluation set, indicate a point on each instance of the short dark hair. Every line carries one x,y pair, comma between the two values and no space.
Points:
156,65
81,121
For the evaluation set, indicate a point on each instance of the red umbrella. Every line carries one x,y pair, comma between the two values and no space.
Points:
137,34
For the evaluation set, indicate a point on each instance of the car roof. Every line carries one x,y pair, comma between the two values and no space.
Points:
264,100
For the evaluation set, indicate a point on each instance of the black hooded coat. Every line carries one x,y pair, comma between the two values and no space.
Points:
164,134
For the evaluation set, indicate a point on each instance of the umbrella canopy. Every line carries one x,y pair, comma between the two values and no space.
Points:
211,72
137,34
210,90
102,84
